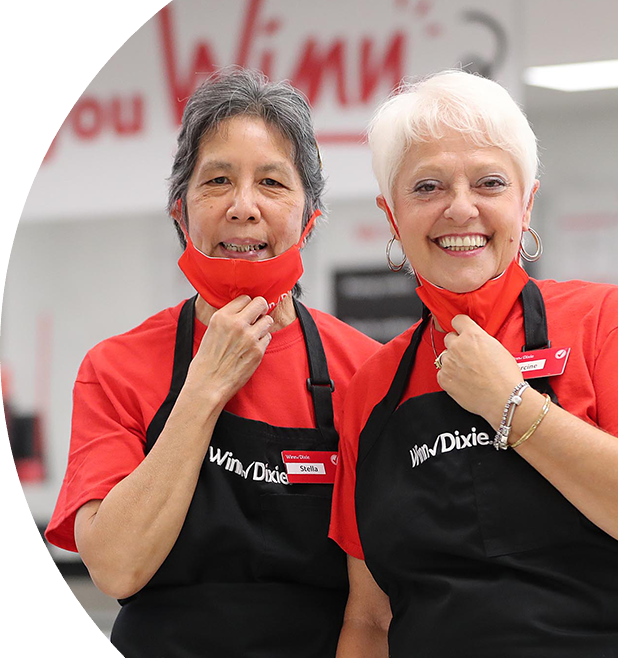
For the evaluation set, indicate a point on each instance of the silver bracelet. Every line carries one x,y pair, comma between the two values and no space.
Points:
501,440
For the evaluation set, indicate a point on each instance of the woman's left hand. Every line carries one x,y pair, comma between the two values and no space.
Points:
477,371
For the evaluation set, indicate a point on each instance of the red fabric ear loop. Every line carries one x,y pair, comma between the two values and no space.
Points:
310,224
391,219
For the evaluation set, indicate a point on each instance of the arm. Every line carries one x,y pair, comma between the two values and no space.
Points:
125,538
367,616
579,459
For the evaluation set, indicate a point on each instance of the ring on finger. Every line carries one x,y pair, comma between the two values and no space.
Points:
438,361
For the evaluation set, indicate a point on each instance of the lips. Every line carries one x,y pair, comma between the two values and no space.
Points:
461,242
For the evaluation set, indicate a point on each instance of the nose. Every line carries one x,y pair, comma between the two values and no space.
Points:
244,206
462,206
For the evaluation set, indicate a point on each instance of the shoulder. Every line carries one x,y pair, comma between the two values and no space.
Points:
373,379
581,302
581,293
134,348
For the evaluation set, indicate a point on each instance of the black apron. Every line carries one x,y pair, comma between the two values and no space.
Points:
253,573
480,555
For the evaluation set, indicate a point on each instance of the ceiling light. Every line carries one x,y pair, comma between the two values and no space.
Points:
584,76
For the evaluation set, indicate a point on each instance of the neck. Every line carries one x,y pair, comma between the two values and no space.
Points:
437,325
283,314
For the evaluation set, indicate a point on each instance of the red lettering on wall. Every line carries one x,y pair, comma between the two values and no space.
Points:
127,115
203,64
313,66
91,117
391,66
8,126
15,43
86,118
248,31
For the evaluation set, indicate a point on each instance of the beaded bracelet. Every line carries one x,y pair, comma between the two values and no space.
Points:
501,440
536,423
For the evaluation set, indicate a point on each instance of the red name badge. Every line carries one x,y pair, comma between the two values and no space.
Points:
310,466
543,363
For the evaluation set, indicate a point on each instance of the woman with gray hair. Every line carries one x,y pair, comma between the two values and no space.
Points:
204,441
477,488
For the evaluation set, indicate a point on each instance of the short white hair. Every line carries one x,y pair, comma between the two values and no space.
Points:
425,110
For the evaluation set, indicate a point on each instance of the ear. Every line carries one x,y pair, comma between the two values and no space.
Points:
528,211
383,206
177,216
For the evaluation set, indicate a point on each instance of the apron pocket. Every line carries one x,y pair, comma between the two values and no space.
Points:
296,544
518,509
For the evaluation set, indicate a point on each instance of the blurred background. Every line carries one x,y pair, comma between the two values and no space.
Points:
95,254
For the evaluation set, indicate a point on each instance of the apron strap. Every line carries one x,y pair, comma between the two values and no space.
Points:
535,329
535,319
386,407
319,384
183,353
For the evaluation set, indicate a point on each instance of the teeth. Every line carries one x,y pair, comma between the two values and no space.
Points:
465,243
244,248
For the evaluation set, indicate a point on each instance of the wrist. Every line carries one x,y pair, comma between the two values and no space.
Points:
533,410
201,401
503,431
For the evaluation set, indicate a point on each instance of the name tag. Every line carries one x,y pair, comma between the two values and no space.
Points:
310,466
543,363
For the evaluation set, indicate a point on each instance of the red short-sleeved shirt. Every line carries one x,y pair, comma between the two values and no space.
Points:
580,315
123,381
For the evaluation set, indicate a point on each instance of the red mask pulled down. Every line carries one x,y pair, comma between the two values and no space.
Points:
220,280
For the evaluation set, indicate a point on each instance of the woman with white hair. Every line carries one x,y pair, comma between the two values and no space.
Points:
477,491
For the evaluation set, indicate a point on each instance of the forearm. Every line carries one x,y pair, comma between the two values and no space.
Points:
579,459
359,639
135,527
364,633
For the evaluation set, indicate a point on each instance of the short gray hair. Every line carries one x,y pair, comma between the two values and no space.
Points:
232,92
451,100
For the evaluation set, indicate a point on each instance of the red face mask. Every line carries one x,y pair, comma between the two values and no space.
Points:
488,306
220,280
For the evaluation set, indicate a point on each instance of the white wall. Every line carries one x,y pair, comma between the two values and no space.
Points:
577,210
70,285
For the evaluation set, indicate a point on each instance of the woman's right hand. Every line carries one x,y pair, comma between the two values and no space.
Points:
126,537
231,349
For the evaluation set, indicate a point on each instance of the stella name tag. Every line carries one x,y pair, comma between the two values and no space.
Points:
310,466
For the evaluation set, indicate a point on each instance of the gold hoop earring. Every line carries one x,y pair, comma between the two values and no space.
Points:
531,258
394,267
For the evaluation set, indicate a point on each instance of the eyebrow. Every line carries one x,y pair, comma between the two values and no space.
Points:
274,167
430,170
214,164
268,168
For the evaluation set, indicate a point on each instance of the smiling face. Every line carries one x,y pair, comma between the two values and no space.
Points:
245,198
459,210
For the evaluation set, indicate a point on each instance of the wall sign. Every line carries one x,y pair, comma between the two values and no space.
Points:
113,152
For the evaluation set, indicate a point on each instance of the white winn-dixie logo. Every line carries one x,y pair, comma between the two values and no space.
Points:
256,471
446,442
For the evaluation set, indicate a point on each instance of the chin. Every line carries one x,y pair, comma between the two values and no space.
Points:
463,284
